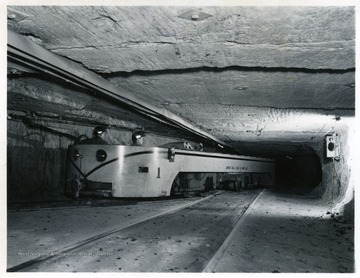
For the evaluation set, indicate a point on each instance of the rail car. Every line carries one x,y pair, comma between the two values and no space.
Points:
134,171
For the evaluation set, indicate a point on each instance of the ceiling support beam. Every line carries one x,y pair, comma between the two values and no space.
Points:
22,50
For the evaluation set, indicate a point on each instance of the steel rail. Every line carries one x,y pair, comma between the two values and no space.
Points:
75,246
213,262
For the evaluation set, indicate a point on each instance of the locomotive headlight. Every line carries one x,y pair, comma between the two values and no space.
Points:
101,155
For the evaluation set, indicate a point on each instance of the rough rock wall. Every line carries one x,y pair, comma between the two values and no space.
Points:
337,181
36,160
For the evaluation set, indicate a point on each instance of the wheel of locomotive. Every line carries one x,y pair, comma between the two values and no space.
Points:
176,186
75,186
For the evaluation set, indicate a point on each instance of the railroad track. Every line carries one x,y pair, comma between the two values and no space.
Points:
189,238
212,263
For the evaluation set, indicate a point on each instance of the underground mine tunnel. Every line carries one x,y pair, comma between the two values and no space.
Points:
180,139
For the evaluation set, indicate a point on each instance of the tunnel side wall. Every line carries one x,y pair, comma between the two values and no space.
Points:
337,185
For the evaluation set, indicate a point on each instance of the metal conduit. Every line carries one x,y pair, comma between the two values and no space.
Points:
24,51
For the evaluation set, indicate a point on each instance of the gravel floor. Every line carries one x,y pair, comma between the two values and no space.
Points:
278,233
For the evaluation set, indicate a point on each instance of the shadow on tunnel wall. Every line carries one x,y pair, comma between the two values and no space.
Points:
36,164
35,174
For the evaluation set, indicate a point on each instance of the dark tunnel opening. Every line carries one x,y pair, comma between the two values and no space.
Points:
298,174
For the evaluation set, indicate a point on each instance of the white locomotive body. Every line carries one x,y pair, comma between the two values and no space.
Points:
134,171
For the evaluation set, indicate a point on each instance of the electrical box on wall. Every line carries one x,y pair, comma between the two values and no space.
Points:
332,145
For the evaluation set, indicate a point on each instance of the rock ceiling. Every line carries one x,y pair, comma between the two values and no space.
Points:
241,74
